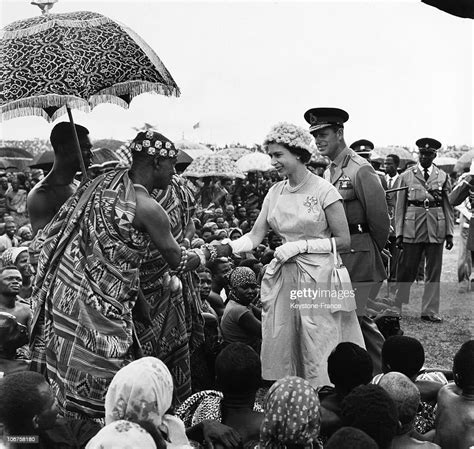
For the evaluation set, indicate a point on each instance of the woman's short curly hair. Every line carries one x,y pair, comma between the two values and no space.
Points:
294,138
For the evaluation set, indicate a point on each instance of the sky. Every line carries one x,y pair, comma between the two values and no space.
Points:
401,69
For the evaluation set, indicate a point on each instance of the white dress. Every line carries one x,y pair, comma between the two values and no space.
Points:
296,341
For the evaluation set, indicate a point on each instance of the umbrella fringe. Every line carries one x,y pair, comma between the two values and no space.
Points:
39,28
133,89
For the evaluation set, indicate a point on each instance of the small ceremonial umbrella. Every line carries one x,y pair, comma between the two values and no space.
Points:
44,161
56,62
234,153
213,165
464,161
255,162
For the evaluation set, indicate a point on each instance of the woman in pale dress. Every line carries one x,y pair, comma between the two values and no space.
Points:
299,333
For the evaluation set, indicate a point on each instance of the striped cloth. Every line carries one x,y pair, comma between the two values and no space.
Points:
86,287
177,323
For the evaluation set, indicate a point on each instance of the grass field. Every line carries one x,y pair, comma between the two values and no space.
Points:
441,341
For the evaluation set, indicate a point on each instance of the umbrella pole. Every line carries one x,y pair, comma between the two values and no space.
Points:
78,145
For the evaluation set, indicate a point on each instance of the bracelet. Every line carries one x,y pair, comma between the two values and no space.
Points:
202,258
212,251
184,259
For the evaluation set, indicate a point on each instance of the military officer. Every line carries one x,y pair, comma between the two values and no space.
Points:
424,221
366,212
364,148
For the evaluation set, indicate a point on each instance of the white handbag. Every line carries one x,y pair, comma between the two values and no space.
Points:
342,294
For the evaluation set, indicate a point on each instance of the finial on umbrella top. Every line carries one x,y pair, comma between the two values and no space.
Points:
44,5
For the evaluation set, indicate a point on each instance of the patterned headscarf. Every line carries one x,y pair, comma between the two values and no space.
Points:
153,143
122,435
10,255
292,414
241,276
143,391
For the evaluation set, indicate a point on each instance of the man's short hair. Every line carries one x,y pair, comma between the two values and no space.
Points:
238,369
214,265
463,365
350,438
20,400
62,133
349,365
403,354
404,393
395,158
370,409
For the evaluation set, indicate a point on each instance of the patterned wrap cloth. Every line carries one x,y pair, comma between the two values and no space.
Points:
143,391
292,414
177,323
122,435
85,289
10,255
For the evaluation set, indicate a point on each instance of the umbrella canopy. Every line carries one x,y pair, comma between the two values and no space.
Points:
464,161
184,144
15,152
103,157
44,161
184,158
235,153
111,144
445,163
78,60
383,152
255,162
213,165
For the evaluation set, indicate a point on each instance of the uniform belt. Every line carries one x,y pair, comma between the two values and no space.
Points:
359,228
426,203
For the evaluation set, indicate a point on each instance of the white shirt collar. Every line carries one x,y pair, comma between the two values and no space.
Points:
393,178
422,170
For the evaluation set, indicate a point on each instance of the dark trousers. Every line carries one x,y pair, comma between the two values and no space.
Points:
409,262
373,338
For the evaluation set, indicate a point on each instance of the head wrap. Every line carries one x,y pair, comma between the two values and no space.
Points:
23,230
291,136
292,414
143,391
232,230
122,435
197,243
10,255
153,143
241,276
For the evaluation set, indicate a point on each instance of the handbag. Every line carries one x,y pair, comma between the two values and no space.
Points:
342,294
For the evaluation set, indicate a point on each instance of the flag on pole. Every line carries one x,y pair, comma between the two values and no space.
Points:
196,125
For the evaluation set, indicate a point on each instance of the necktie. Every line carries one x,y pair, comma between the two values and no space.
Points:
389,183
427,175
332,170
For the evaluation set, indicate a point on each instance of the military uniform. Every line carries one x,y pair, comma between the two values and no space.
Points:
424,218
366,212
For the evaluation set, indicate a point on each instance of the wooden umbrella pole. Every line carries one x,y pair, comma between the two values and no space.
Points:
78,145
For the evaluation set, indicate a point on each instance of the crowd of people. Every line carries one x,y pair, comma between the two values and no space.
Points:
143,308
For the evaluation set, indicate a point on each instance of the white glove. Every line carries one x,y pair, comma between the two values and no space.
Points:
289,250
242,244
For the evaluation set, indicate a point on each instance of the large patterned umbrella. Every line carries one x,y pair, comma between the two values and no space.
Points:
255,162
383,152
213,165
235,153
56,62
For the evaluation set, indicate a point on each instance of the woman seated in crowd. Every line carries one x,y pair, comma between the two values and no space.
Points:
240,322
292,416
142,392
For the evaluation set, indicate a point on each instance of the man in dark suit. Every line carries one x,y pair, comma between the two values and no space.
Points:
424,221
366,212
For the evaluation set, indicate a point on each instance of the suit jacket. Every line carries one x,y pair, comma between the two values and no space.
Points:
460,192
364,203
418,224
